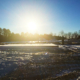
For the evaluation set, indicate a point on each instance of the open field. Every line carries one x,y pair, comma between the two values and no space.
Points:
58,63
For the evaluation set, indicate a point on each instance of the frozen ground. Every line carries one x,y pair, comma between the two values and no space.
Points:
52,62
28,45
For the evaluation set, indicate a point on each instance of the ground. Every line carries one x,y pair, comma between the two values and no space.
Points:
55,64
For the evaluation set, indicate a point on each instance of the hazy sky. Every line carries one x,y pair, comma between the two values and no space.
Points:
48,15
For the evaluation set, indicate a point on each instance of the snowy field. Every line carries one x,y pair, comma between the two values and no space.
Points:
53,62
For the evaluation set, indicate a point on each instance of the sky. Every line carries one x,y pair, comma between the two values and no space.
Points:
47,15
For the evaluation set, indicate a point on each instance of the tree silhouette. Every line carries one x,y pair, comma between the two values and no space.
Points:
7,35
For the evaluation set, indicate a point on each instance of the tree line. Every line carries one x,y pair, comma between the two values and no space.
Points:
7,35
70,35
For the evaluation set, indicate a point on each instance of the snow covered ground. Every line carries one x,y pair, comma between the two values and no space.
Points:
29,45
70,47
60,46
12,57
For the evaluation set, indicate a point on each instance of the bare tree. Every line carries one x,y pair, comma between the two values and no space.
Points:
66,35
75,34
61,33
69,35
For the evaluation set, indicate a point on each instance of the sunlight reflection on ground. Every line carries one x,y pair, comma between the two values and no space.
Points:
52,62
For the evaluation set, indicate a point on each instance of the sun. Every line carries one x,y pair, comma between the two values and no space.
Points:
32,27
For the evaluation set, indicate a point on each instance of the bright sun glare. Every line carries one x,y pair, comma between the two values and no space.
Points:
32,27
